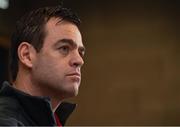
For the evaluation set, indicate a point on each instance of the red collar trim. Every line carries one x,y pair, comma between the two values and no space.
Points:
57,120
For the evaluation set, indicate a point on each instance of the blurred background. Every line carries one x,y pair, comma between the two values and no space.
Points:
131,74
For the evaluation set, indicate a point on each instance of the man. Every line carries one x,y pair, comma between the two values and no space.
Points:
46,58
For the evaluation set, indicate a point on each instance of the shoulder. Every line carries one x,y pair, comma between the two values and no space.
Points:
8,104
9,112
9,121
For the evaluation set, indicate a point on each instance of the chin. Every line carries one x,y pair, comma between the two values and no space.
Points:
73,91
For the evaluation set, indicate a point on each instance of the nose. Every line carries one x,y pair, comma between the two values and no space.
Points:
76,60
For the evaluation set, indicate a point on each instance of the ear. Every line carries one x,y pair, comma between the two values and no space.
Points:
26,54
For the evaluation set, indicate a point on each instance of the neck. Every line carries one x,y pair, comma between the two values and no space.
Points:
23,83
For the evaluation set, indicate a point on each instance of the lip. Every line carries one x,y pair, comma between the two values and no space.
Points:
75,76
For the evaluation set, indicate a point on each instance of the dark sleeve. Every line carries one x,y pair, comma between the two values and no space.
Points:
10,122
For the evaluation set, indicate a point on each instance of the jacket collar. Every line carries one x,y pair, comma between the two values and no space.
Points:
38,108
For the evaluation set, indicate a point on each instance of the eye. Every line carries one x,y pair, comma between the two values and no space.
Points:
64,50
82,53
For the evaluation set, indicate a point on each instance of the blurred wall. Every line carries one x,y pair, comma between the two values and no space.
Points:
131,74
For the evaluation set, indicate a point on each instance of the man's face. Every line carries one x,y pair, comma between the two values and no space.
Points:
57,67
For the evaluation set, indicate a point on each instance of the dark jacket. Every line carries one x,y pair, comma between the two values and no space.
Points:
20,109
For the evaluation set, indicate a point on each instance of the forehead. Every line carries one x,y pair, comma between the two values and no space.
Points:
57,29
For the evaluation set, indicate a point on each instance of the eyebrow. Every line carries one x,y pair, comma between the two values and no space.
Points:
70,42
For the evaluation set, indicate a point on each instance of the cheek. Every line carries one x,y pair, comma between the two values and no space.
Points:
50,67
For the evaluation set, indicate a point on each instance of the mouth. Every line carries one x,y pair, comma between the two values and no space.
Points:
74,76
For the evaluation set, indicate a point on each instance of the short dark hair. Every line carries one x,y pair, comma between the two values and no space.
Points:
31,28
